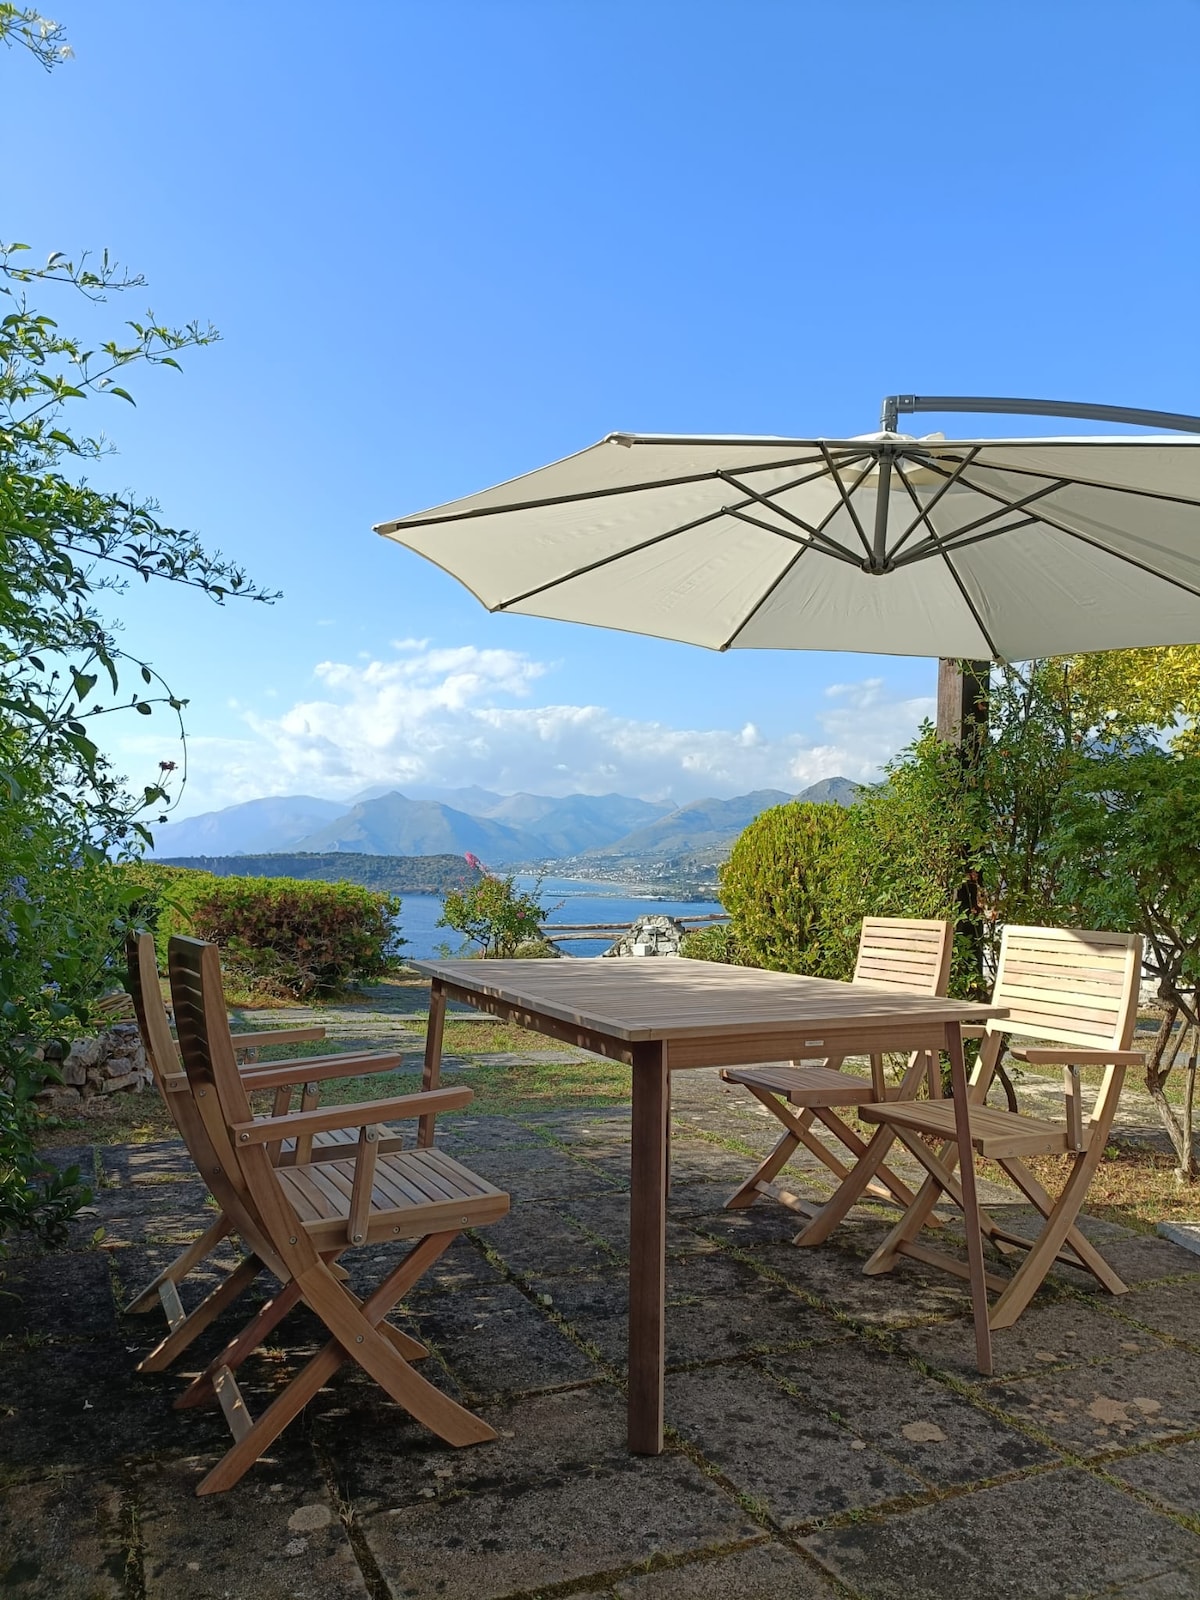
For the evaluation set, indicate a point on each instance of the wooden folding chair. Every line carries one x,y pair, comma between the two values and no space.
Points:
1078,993
309,1215
897,953
172,1083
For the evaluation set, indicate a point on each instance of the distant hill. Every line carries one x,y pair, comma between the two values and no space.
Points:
395,874
705,827
500,829
578,823
396,826
255,825
700,825
839,791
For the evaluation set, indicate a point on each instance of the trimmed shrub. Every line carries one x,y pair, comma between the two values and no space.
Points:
775,887
718,943
278,936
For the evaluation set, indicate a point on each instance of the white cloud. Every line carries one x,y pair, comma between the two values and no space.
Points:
454,716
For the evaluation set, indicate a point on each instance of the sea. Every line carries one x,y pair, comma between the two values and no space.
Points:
567,900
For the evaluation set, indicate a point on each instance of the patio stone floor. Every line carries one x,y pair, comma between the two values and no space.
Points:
829,1435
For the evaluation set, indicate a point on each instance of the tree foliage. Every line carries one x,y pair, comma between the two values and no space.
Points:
1128,844
908,844
494,914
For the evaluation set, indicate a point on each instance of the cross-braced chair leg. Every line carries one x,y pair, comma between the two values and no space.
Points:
357,1336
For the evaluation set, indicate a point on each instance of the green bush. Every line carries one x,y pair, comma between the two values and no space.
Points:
278,936
775,887
718,943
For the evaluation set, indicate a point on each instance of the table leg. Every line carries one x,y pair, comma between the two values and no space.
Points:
647,1246
966,1178
433,1056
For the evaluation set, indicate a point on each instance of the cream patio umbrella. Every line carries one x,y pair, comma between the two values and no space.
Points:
969,548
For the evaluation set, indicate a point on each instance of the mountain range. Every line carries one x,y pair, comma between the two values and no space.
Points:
501,829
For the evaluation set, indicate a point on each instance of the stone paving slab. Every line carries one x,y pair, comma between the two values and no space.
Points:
932,1431
1050,1335
1170,1475
495,1341
73,1300
488,1545
1136,1257
62,1540
764,1572
785,1454
718,1309
1172,1309
278,1538
1118,1402
540,1239
384,1460
1062,1534
540,1173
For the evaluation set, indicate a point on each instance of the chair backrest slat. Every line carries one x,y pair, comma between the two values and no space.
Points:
1069,985
206,1044
205,1136
905,953
146,992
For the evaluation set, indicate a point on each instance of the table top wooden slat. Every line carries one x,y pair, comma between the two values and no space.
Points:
675,998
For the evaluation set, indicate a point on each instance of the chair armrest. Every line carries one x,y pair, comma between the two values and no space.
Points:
1064,1055
269,1036
268,1130
282,1074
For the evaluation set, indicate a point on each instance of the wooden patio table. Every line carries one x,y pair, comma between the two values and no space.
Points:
668,1014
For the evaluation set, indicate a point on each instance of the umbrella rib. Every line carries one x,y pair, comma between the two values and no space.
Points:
971,606
846,501
596,494
923,511
605,561
1090,540
647,544
953,539
1089,483
927,547
785,533
764,597
817,532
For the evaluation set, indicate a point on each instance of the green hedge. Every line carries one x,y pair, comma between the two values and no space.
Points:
278,936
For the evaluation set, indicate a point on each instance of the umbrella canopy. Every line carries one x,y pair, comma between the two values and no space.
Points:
1004,548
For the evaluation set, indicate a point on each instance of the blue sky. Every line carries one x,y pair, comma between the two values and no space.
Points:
446,243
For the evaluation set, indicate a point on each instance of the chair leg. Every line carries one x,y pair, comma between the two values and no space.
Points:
889,1186
146,1299
244,1344
1059,1225
1087,1256
356,1336
850,1191
779,1157
207,1311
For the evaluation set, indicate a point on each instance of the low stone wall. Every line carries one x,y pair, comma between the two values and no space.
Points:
106,1063
654,935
